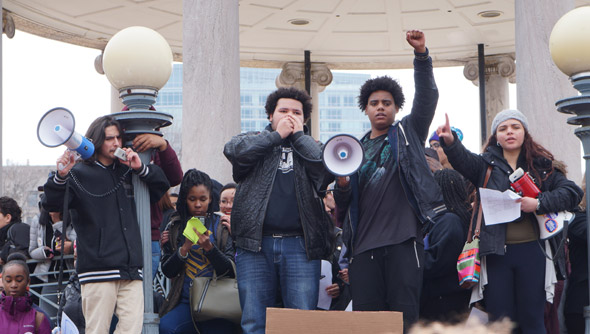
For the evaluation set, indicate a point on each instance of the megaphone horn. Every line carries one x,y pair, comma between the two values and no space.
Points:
56,128
343,155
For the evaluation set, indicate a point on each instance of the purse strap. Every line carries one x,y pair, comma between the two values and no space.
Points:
479,213
233,265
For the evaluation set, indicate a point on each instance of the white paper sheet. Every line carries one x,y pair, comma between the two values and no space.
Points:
67,325
499,207
324,300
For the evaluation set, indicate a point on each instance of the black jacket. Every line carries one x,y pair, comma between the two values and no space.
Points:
173,265
108,236
255,158
14,237
421,189
557,192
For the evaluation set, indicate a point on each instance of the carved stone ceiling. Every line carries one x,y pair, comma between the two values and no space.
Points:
346,34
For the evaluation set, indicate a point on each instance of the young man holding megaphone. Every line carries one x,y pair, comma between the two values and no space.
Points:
110,258
393,197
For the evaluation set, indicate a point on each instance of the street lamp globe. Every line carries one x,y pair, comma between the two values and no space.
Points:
137,57
570,42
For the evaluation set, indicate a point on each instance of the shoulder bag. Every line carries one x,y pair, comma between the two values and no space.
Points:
215,297
468,264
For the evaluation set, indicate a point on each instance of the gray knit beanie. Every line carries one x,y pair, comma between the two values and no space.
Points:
509,114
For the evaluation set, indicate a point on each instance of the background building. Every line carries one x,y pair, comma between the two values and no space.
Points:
339,112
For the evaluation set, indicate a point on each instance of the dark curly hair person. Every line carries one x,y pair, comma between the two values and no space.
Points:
8,206
384,83
14,234
288,93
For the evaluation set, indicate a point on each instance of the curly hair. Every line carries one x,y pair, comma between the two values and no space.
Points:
192,178
96,133
532,150
385,83
9,206
288,93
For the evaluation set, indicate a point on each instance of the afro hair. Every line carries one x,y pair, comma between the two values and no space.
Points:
385,83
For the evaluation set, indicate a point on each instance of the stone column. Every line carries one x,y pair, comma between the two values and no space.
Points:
211,85
293,75
540,83
499,71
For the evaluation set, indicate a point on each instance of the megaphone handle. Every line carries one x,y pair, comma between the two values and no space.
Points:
77,156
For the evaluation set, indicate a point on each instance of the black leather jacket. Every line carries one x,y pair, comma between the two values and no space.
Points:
557,192
255,158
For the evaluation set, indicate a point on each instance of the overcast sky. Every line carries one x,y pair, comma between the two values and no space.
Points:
40,74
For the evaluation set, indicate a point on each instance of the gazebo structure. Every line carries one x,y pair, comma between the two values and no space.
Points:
214,38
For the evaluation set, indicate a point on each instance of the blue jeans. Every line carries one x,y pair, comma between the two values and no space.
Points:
281,264
178,321
155,257
516,286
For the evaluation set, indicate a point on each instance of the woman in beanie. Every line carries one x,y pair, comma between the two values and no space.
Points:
512,255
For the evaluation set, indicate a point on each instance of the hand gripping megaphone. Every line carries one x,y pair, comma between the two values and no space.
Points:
56,128
343,155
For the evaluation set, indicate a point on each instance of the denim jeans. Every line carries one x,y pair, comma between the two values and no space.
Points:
178,321
281,264
155,257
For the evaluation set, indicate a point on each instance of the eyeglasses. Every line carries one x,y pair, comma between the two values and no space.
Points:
435,145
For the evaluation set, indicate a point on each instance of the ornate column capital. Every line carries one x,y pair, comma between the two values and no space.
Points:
293,75
502,65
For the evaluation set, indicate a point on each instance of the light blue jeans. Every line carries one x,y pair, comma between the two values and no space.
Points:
281,264
155,257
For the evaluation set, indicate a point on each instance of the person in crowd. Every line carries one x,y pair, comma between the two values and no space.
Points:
183,260
226,203
14,234
45,245
278,211
511,253
174,199
442,298
71,301
110,259
164,156
432,159
16,312
434,142
576,291
168,209
393,198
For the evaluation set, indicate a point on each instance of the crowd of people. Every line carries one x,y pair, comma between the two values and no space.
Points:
388,236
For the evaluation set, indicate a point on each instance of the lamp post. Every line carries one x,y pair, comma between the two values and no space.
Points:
138,62
570,49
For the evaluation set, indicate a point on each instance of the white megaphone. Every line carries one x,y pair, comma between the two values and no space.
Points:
343,155
56,128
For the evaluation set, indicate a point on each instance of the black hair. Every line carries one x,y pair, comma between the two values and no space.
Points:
385,83
454,193
9,206
230,185
288,93
45,217
17,259
192,178
96,133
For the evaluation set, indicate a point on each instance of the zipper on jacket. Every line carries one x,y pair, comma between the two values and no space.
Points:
274,175
416,252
